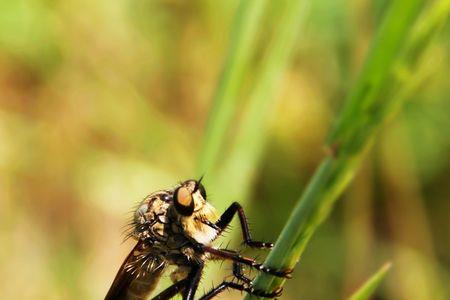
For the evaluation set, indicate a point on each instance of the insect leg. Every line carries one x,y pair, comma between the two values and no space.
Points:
239,274
172,290
193,280
228,215
240,287
236,257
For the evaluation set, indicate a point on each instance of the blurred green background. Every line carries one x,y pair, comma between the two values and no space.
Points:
103,102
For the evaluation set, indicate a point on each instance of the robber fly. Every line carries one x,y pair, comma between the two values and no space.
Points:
176,227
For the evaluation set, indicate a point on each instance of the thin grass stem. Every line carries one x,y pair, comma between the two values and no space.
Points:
363,115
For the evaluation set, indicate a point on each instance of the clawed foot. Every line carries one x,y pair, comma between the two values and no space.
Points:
284,273
261,293
238,272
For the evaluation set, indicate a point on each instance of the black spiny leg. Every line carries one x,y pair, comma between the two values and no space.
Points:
172,290
238,272
193,280
236,257
228,215
246,287
240,287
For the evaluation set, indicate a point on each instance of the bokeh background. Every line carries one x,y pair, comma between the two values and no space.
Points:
103,102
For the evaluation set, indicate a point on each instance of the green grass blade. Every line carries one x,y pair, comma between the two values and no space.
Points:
435,18
242,39
351,136
413,69
249,142
368,288
384,50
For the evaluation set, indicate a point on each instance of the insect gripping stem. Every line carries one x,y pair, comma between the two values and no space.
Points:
177,227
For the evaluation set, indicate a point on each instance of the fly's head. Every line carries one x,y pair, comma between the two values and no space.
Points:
195,213
189,197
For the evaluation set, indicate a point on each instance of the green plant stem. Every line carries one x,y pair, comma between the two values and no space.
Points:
351,136
242,41
367,289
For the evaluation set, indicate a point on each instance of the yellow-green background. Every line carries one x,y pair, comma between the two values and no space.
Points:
103,102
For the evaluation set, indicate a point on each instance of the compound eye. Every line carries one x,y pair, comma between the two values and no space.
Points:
183,196
184,203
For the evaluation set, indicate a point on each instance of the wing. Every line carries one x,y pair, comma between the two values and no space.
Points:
138,275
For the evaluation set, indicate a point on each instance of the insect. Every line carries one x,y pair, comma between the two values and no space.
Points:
177,227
